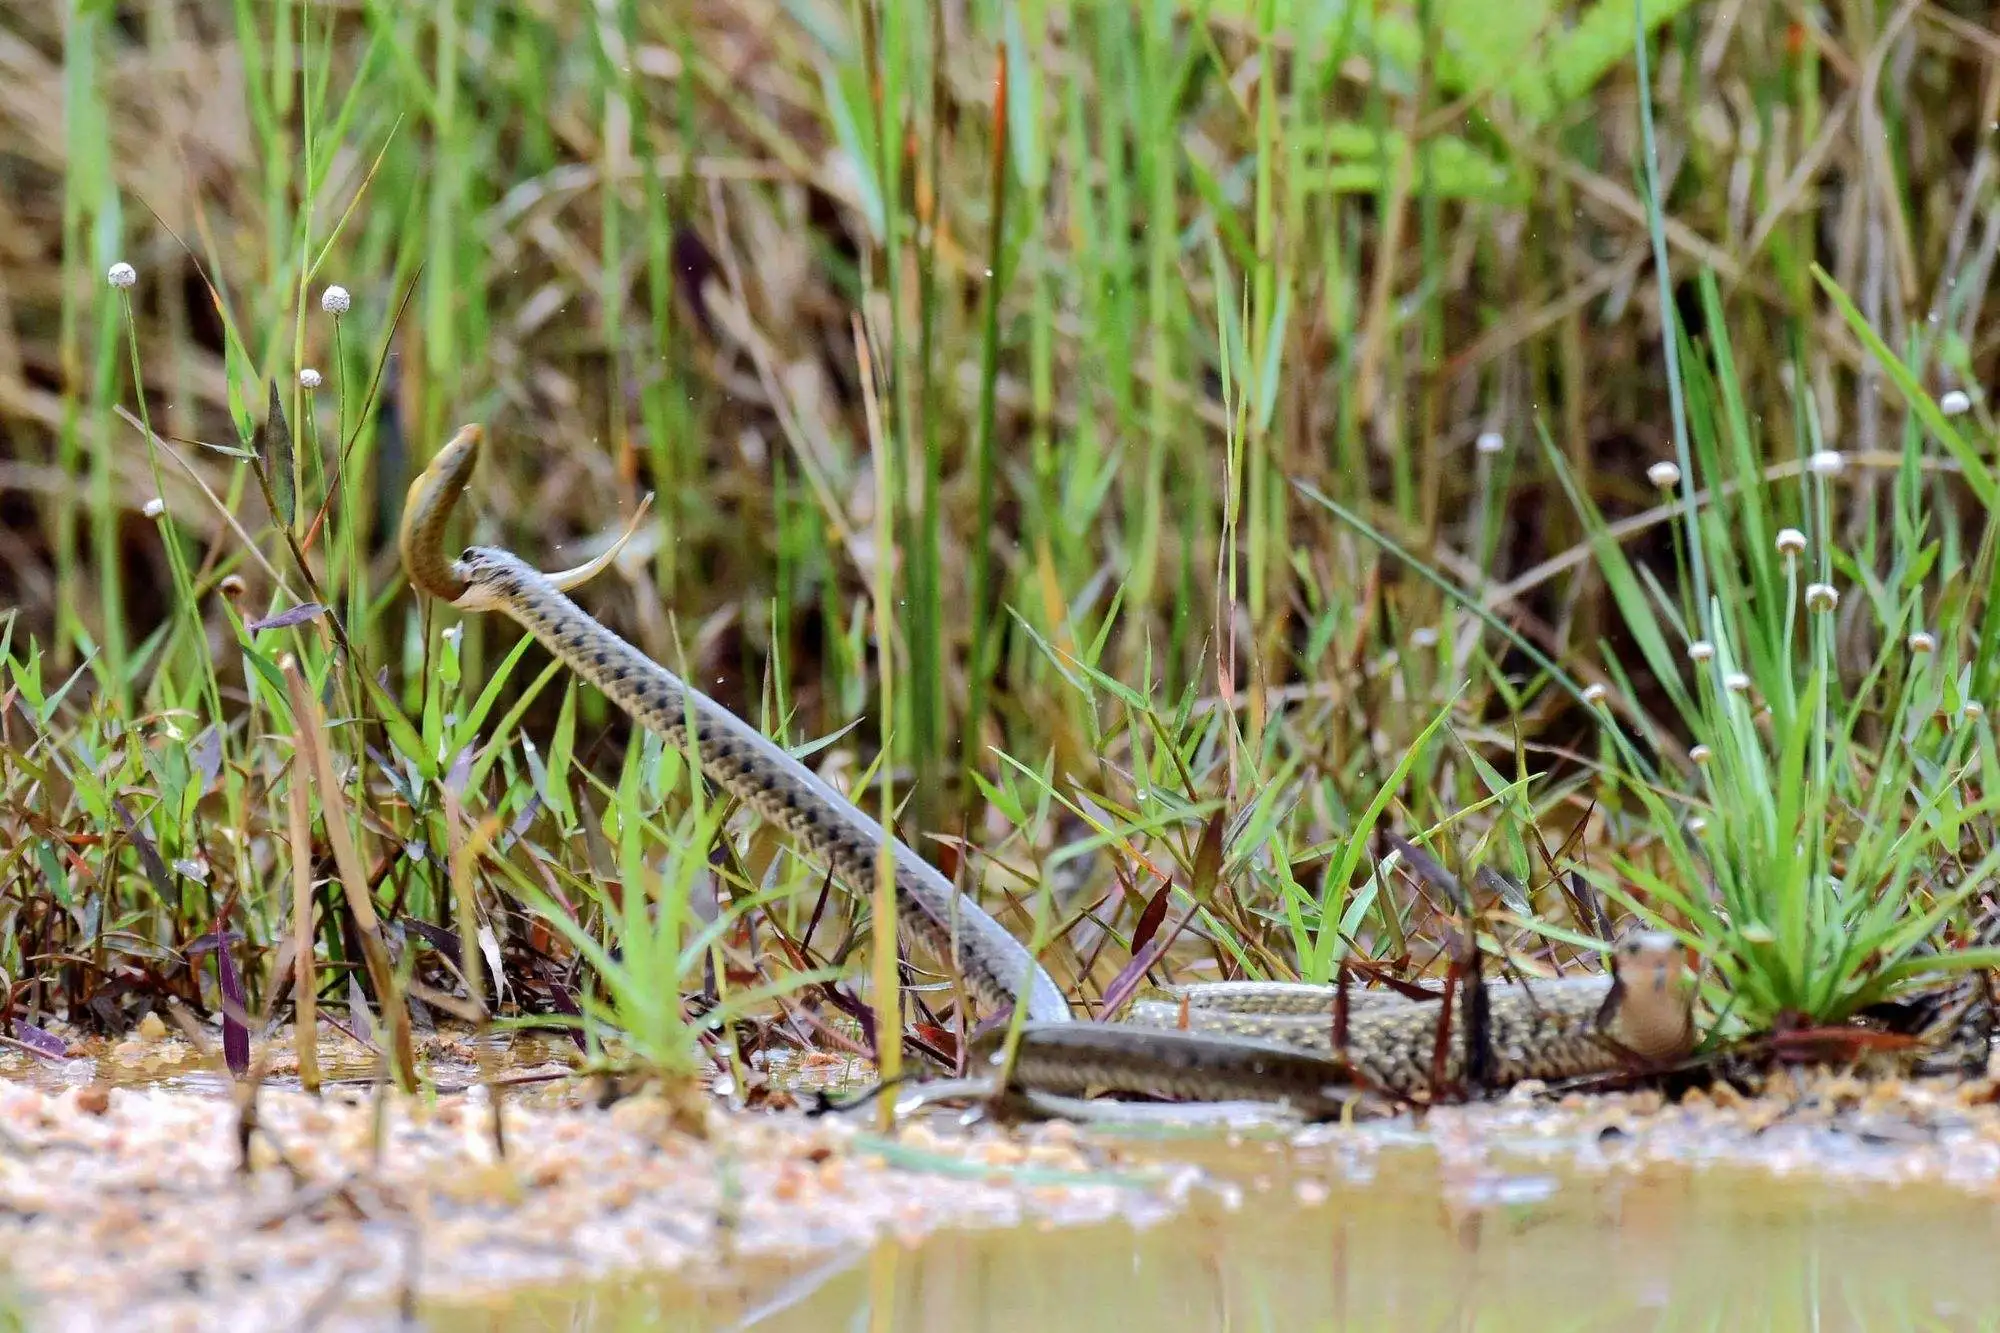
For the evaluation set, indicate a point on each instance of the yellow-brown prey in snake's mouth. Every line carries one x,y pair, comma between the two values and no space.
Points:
1235,1043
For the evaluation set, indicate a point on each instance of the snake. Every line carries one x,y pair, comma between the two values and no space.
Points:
1258,1040
1639,1013
736,756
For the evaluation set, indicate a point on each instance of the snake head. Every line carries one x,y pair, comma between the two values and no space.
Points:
1651,1004
427,509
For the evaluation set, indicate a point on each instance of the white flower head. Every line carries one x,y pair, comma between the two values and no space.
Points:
1827,463
1701,754
1701,650
1737,682
1697,825
1822,597
1665,474
122,275
1490,442
1593,693
1791,541
1424,636
1955,403
154,507
335,300
1974,710
1923,641
309,378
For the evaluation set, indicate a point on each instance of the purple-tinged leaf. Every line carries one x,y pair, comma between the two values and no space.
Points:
149,855
438,937
1150,918
1207,860
393,775
207,756
201,944
45,1044
235,1036
1134,971
559,995
297,615
358,1013
522,822
272,441
1427,870
235,1007
693,264
459,773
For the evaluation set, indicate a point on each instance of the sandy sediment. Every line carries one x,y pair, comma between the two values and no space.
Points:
129,1205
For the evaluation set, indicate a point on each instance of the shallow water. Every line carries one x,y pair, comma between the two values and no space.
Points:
1395,1243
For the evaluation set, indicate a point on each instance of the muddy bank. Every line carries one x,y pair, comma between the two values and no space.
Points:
126,1204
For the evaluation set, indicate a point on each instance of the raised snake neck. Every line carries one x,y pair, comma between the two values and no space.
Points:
734,754
1230,1052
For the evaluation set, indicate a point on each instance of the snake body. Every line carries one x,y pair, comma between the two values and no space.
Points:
1075,1059
1265,1040
1555,1028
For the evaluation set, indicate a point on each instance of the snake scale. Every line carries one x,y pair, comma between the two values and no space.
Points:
1256,1040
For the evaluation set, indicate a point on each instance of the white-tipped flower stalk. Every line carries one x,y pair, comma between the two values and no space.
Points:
1424,636
1827,463
1697,825
1490,442
1955,403
1594,693
1664,474
122,275
1822,597
1973,710
1922,642
309,379
1736,682
1701,754
1791,542
336,300
1701,651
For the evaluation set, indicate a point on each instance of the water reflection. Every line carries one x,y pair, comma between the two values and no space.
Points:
1407,1246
